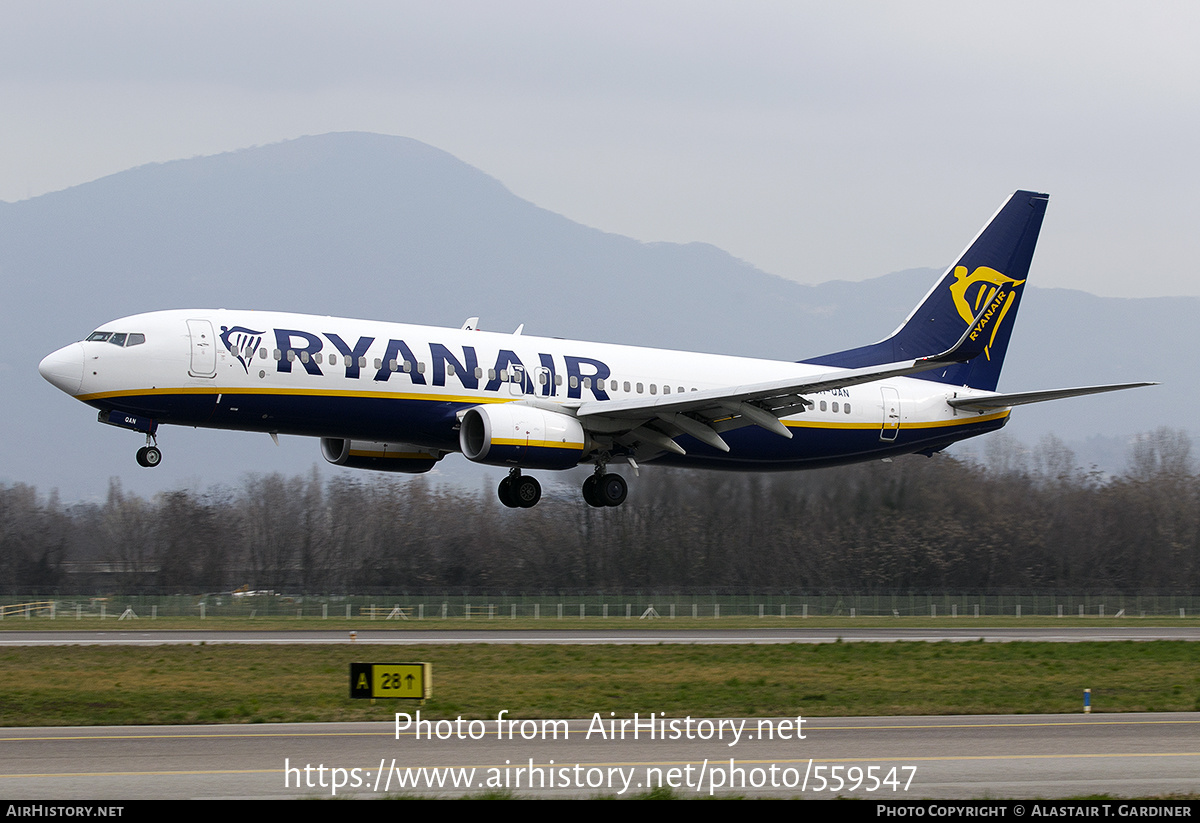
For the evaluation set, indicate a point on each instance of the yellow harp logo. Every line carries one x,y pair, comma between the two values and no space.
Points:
972,291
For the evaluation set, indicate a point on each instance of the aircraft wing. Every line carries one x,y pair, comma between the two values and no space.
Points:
1004,401
705,414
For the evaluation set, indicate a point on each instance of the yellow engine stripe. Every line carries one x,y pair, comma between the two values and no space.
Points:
537,444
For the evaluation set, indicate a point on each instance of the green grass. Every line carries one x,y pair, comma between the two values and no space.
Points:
87,685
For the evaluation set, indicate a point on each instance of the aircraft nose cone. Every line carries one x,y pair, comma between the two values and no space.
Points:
64,368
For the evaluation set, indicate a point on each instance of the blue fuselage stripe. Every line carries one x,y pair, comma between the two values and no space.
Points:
433,424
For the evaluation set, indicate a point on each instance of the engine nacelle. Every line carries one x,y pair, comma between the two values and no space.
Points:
382,457
513,434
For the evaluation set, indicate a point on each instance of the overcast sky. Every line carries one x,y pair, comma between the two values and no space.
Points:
815,140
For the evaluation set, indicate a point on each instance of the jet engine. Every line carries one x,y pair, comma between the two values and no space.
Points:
514,434
382,457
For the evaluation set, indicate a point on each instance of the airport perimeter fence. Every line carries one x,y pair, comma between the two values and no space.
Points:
577,606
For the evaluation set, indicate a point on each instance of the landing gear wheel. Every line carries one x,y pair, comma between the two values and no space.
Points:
612,489
505,493
149,456
527,492
590,496
601,490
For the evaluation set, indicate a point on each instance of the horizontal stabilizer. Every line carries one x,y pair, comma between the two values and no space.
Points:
1004,401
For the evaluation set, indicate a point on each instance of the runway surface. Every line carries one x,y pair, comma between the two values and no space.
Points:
1014,756
117,637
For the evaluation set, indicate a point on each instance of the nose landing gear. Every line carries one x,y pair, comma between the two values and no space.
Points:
149,456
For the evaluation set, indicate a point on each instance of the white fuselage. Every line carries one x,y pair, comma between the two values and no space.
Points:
343,378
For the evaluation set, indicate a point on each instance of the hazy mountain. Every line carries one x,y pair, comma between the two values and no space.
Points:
366,225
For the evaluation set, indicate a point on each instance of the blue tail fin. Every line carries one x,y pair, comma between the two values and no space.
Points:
1000,254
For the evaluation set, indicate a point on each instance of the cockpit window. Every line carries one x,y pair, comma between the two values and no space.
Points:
124,339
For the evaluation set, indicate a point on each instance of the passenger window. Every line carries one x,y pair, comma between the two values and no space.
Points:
639,388
822,405
653,388
574,382
333,359
378,364
291,355
478,373
587,382
846,408
262,354
318,357
449,369
407,366
278,355
666,389
627,386
420,367
304,357
362,362
835,406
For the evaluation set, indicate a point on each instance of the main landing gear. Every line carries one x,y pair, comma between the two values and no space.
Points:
605,489
149,456
518,491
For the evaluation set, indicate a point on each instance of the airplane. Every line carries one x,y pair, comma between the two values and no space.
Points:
398,397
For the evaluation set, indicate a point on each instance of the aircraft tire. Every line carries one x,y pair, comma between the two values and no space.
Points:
527,492
141,457
505,493
612,489
152,457
590,494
